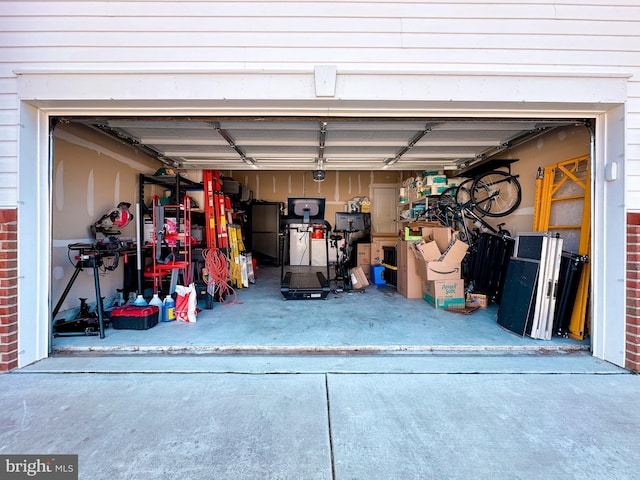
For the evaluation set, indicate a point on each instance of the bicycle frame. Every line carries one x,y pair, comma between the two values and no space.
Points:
458,217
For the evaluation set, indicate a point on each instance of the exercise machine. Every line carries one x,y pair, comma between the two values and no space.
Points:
305,281
347,223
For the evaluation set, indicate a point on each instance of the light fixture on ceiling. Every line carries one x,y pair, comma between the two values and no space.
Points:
319,172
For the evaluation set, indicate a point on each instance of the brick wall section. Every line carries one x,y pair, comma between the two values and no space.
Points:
8,289
632,347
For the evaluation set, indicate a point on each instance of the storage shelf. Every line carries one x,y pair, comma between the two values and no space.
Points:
484,166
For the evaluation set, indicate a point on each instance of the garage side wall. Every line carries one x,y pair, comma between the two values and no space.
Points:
91,175
8,289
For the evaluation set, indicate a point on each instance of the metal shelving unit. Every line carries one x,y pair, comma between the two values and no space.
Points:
178,185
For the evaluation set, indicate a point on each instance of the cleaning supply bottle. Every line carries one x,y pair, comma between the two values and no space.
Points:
168,305
155,301
119,298
140,301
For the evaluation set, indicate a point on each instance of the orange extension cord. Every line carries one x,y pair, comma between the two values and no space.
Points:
217,273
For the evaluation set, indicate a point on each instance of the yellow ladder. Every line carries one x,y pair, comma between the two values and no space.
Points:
567,184
234,256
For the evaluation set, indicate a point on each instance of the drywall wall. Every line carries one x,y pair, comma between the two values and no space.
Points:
91,174
556,146
337,188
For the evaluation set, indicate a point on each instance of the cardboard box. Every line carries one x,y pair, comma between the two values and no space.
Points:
455,252
434,231
439,271
358,279
430,267
363,254
427,251
377,253
408,282
477,299
444,293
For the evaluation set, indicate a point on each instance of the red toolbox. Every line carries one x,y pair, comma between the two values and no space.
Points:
133,317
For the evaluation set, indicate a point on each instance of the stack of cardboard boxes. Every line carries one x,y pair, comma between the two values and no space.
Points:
436,259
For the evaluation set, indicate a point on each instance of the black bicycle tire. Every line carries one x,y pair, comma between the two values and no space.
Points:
481,204
454,216
449,196
463,191
447,199
463,196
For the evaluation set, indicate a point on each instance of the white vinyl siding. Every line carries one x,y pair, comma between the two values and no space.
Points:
8,141
542,36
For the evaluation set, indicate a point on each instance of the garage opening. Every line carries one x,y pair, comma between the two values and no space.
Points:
416,252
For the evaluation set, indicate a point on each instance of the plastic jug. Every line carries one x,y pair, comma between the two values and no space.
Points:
168,313
140,301
156,301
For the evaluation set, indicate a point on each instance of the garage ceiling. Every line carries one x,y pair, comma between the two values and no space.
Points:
331,144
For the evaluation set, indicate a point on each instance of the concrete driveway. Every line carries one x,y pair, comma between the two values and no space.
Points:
523,417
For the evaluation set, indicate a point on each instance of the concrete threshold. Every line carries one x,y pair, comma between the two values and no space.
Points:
312,349
365,359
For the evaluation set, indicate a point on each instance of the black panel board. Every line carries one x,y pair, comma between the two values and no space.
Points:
518,293
530,246
571,266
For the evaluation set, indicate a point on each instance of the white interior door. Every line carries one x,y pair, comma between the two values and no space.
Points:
384,200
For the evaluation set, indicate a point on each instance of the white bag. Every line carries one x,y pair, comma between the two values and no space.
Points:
186,301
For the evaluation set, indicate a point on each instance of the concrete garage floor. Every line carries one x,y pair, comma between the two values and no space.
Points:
379,320
364,386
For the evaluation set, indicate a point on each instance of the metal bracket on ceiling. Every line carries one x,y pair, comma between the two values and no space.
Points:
123,137
415,139
232,143
321,139
521,138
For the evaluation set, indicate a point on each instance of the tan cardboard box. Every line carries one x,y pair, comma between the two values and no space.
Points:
364,253
426,250
455,252
434,231
444,293
358,278
409,283
439,271
430,267
377,254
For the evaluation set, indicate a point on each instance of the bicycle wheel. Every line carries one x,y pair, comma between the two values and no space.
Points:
448,197
463,196
447,206
496,193
463,192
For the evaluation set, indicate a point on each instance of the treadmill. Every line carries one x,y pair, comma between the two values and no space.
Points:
305,282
